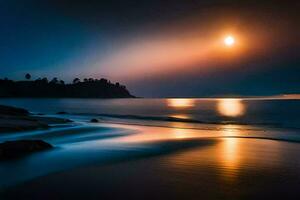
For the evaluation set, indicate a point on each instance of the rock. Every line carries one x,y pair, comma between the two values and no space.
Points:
9,110
94,120
12,149
61,113
17,119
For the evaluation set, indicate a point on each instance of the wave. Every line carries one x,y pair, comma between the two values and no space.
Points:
188,120
69,134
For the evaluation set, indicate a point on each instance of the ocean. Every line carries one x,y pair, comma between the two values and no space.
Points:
281,113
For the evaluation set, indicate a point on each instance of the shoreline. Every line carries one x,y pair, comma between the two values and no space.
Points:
14,119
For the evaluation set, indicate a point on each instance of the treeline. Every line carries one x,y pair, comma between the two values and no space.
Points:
55,88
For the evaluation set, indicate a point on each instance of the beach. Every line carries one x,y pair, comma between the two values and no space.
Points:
192,174
157,157
149,99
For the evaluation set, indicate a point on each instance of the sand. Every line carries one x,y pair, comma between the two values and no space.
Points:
222,169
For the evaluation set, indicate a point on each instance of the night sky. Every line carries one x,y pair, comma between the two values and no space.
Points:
158,48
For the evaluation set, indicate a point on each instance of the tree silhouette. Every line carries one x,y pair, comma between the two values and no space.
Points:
45,80
54,80
28,76
41,87
76,80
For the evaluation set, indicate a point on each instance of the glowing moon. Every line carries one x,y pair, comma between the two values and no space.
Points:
229,41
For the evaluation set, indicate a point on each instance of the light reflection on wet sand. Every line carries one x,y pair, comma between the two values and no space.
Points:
228,168
229,156
232,153
231,159
154,133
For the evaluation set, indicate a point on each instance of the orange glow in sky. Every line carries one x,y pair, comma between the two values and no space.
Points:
171,52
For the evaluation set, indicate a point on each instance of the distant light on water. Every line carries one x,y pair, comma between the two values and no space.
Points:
231,107
181,103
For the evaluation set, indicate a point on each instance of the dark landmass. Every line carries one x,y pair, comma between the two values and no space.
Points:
17,119
13,149
42,88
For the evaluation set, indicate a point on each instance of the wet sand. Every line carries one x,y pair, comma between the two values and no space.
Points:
228,168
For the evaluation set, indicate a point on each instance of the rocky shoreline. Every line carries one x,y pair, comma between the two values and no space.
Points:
14,119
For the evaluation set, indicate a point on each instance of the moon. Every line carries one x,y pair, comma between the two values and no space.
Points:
229,41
